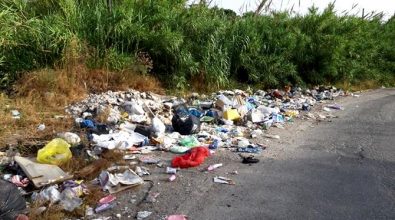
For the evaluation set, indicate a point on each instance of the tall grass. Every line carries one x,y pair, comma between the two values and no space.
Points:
211,45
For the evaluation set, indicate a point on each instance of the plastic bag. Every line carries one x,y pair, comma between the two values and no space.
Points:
189,141
50,193
158,127
194,158
134,108
11,201
70,138
185,123
55,152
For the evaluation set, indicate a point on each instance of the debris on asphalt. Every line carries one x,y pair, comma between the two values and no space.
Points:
172,178
120,138
223,180
170,170
176,217
250,160
214,166
143,215
118,182
194,158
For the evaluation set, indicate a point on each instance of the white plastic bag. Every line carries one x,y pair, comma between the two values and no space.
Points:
71,138
158,127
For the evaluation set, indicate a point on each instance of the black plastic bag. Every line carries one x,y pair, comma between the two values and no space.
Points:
185,123
11,201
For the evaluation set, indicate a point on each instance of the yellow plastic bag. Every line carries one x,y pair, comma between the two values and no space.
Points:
55,152
231,114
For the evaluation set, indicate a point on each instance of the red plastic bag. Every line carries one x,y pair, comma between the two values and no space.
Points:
194,158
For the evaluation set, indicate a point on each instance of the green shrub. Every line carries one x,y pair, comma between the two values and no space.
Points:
213,45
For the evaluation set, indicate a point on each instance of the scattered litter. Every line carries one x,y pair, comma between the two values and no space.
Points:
120,181
194,158
189,141
231,115
107,199
235,172
151,197
272,136
250,149
19,181
55,152
142,171
256,133
170,170
176,217
41,174
214,166
70,196
11,200
172,178
129,157
89,211
335,106
71,138
149,160
104,207
158,127
143,214
139,123
50,193
184,122
179,149
250,160
223,180
41,127
15,114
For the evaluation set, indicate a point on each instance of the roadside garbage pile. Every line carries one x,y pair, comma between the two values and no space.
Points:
135,124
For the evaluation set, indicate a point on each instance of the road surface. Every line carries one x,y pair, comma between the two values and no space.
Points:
344,169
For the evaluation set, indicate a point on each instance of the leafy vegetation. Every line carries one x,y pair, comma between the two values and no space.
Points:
185,44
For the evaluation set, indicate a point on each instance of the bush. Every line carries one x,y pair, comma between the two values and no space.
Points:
196,43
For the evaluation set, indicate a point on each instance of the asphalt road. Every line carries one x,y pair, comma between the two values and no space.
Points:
344,169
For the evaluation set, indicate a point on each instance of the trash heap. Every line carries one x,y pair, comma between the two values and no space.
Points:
138,123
